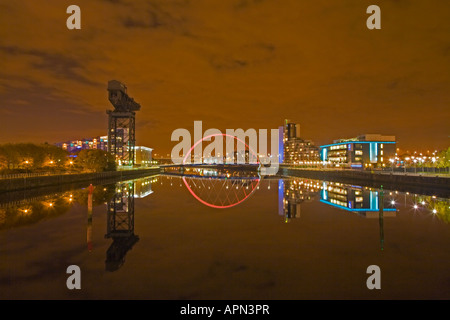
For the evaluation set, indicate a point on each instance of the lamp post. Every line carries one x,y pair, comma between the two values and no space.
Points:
27,166
70,165
406,159
392,164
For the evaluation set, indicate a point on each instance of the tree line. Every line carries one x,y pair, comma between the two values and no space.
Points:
31,157
443,160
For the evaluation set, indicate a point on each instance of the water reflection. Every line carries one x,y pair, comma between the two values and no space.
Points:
219,188
292,193
120,225
251,246
438,207
381,217
118,197
29,211
89,225
363,201
219,191
120,220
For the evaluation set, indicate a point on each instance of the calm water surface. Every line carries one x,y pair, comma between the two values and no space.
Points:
168,237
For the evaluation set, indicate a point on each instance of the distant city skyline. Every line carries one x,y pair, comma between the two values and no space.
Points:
231,64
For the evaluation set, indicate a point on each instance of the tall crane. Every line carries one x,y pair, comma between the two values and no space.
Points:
121,123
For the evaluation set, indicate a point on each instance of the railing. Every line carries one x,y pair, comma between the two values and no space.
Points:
33,174
42,174
431,172
410,171
126,168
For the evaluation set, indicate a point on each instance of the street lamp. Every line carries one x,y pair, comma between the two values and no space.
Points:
27,165
392,164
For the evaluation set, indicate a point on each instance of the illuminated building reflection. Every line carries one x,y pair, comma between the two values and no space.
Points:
292,193
363,201
143,187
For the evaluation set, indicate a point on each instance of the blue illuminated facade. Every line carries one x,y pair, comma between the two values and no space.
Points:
352,198
281,144
364,151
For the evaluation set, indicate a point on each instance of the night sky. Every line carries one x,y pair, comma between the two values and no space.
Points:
232,64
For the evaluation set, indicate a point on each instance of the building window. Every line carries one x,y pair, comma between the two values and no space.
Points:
381,146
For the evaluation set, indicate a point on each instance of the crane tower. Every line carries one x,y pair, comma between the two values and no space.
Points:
121,123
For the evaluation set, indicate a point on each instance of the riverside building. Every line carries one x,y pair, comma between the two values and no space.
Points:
368,150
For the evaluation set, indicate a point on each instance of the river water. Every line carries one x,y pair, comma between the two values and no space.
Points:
225,237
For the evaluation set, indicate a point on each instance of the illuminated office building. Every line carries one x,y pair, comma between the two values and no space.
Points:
142,156
368,150
294,149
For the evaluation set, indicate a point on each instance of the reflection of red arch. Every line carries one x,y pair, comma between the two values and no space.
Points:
216,206
200,199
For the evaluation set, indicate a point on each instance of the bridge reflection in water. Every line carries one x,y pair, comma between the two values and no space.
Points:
222,190
217,190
